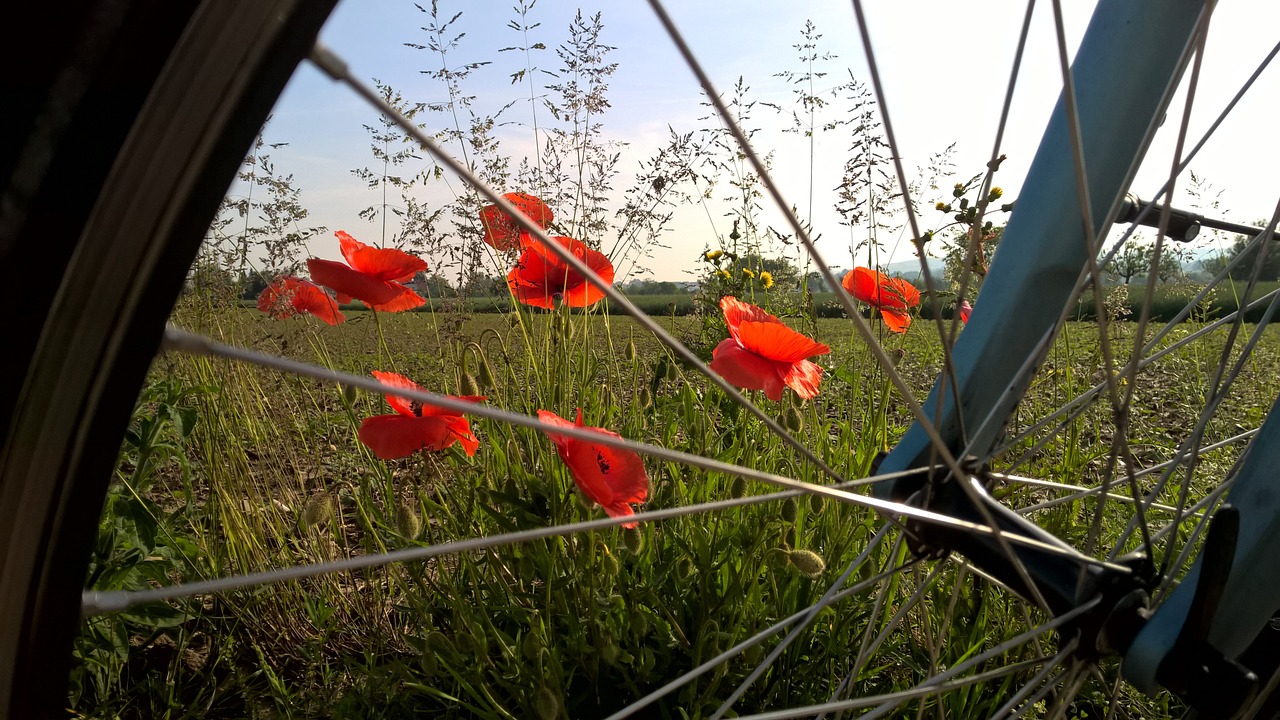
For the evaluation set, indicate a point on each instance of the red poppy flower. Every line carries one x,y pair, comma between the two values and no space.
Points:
540,275
965,309
761,353
289,296
501,230
371,275
415,426
893,297
611,477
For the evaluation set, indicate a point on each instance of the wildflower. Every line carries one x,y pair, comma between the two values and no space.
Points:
415,426
748,273
289,296
766,279
964,309
714,255
502,231
995,194
371,275
611,477
893,297
724,274
761,353
942,207
540,275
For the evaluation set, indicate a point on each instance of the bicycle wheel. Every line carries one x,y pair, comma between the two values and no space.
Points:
46,599
114,169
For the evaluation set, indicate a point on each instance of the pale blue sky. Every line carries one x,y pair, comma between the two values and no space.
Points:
945,68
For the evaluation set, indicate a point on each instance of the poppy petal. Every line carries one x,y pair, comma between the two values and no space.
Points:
775,341
345,281
747,370
289,296
501,230
401,405
389,264
397,436
804,377
311,299
610,477
737,312
406,299
896,320
965,310
899,294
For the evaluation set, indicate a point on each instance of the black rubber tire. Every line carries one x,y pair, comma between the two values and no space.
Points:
124,123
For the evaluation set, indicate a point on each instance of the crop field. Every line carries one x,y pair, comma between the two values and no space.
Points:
230,469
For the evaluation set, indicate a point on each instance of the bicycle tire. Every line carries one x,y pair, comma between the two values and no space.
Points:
114,170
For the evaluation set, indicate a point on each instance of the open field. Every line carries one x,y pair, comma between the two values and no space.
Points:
232,469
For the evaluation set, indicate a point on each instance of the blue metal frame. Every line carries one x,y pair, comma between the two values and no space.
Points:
1129,53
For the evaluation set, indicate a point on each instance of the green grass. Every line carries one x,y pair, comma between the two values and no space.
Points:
260,470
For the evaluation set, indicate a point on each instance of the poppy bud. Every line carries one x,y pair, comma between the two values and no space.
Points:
469,385
753,654
630,352
318,510
790,538
546,704
738,488
484,373
440,644
639,622
348,393
609,654
645,397
815,502
964,203
610,565
809,563
793,420
672,373
408,523
632,539
531,645
789,510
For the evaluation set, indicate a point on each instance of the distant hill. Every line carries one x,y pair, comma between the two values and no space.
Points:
910,269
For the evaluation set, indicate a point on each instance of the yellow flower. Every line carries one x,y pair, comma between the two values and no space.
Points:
942,207
747,272
766,279
994,194
724,274
713,255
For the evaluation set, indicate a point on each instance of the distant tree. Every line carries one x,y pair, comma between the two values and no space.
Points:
652,287
1134,261
1242,271
957,249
